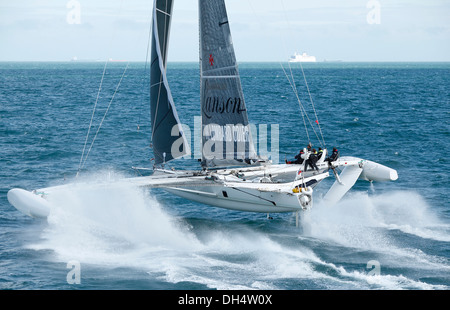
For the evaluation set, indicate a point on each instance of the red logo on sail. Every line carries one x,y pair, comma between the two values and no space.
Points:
211,59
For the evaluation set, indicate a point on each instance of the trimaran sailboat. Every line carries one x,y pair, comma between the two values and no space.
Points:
232,176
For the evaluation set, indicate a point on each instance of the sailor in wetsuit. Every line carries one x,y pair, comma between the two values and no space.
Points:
334,156
320,153
298,159
312,160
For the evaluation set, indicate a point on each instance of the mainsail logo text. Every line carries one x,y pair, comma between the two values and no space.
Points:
222,106
224,142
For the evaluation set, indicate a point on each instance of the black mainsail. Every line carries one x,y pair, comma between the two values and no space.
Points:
168,139
226,135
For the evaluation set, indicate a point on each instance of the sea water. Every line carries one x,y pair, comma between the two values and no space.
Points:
392,235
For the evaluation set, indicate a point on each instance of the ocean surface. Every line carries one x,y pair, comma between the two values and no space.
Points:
393,235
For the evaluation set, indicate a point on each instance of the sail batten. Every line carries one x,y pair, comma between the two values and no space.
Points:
164,116
161,11
207,71
221,77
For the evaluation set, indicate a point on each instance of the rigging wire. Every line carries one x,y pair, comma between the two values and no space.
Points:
302,109
307,87
145,67
104,116
92,118
111,40
314,108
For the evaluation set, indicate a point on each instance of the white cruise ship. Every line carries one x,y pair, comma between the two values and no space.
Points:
302,58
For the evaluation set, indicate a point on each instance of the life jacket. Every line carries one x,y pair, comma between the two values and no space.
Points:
320,154
313,157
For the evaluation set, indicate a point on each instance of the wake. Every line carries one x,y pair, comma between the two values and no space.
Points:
119,225
405,211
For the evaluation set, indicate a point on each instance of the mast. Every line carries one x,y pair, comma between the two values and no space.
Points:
168,139
226,135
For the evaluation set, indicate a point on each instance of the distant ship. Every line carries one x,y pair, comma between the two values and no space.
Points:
302,58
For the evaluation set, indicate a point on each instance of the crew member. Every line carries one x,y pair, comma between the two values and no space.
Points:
334,156
298,159
320,153
312,160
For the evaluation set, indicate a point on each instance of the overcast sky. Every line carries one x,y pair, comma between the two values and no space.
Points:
262,30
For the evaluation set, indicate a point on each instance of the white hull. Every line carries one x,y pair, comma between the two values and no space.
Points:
29,203
252,191
266,189
302,58
250,200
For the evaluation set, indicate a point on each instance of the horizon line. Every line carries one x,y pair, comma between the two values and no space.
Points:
244,61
